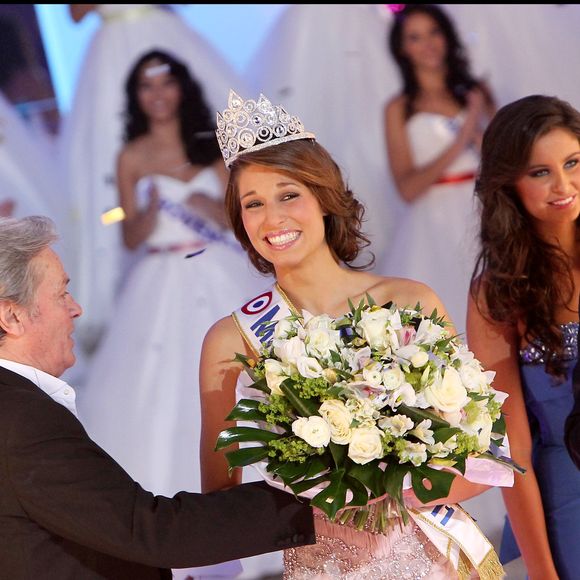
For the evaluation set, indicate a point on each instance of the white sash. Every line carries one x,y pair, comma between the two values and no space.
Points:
449,527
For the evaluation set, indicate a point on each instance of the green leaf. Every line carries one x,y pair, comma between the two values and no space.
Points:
246,409
393,485
242,358
445,433
360,494
440,483
499,425
306,484
333,497
261,385
246,456
370,299
304,407
419,415
338,453
244,434
369,475
335,357
290,471
393,481
317,464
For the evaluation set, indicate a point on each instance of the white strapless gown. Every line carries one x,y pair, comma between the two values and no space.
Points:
435,241
141,397
92,137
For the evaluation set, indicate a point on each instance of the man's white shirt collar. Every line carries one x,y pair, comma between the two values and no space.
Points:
55,388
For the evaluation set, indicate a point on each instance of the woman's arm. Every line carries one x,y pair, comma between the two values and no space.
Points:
218,375
138,224
496,347
413,181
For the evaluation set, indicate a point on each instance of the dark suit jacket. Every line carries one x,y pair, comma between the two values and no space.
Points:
572,428
68,511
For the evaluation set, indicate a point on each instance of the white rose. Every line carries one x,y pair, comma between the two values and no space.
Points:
365,445
290,350
447,394
393,378
373,327
428,332
339,419
473,377
309,367
320,341
419,359
314,430
283,328
398,425
275,375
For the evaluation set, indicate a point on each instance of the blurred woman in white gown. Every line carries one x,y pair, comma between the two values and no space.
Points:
433,131
141,398
92,136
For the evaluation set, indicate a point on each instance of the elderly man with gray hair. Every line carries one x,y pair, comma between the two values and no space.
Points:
67,509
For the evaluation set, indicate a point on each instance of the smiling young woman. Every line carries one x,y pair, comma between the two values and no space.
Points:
523,317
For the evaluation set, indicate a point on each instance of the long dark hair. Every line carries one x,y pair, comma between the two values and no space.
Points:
310,164
459,79
197,127
519,276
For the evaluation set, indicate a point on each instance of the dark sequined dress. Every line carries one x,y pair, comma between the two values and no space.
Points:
548,403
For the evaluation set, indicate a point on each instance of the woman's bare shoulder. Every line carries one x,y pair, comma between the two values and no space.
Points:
403,292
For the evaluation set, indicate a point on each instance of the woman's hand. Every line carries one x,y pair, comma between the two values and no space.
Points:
208,208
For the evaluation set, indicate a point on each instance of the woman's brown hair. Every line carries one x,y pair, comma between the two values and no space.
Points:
309,163
519,276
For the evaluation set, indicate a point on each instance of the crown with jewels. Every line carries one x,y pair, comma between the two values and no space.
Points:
251,125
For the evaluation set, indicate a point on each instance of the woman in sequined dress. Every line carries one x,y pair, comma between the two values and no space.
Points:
433,130
295,217
523,319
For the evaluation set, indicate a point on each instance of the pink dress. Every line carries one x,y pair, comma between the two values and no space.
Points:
342,552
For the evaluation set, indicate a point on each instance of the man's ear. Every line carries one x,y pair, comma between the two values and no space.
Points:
11,316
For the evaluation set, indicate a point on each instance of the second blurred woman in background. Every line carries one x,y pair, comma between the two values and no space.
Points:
433,132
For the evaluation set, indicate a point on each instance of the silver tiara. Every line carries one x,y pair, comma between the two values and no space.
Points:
249,125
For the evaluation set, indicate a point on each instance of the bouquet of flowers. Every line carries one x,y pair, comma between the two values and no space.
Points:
352,409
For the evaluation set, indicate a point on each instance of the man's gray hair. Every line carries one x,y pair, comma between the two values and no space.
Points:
20,241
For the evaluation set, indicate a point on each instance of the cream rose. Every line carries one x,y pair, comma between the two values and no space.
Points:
393,378
373,327
365,445
447,394
290,350
419,359
339,419
314,430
